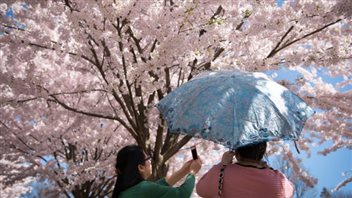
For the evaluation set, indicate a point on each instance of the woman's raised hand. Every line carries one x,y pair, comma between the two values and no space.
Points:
195,166
186,166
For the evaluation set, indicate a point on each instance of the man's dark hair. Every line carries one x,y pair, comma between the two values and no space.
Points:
254,151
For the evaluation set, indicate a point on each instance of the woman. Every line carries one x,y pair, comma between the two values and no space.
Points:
133,167
249,177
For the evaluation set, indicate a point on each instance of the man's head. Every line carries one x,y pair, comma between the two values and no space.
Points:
254,151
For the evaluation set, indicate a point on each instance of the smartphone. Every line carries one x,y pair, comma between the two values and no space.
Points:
194,152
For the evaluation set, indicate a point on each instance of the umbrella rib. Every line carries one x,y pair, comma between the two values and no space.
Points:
279,112
274,106
193,98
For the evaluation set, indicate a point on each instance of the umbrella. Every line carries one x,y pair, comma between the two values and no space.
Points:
234,109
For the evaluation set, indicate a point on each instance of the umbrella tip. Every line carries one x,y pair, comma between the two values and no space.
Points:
296,147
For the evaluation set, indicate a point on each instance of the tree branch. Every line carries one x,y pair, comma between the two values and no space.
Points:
54,49
55,99
158,142
176,147
305,36
274,51
12,27
129,97
54,94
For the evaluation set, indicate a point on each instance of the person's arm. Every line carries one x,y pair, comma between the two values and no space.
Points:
178,175
162,189
190,166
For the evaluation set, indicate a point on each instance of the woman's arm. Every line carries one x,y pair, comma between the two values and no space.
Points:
185,190
178,175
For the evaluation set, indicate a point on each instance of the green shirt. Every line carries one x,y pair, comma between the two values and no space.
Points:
160,189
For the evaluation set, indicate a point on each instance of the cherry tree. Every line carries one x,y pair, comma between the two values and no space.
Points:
301,188
80,79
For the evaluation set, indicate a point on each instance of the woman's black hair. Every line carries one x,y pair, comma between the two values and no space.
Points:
127,161
254,151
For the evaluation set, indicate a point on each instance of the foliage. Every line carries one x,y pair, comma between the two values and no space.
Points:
301,188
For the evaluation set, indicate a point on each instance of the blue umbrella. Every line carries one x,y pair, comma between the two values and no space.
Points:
235,109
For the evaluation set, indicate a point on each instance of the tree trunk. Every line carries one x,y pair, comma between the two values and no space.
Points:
159,170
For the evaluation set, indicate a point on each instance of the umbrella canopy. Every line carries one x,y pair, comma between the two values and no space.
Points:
234,109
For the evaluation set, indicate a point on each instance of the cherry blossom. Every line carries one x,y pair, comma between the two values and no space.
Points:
79,79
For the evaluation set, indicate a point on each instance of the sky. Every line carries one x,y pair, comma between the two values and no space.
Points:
327,169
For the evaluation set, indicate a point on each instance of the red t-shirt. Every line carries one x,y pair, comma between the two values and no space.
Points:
245,182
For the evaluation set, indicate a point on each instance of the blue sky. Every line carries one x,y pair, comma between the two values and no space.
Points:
10,14
280,2
327,169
